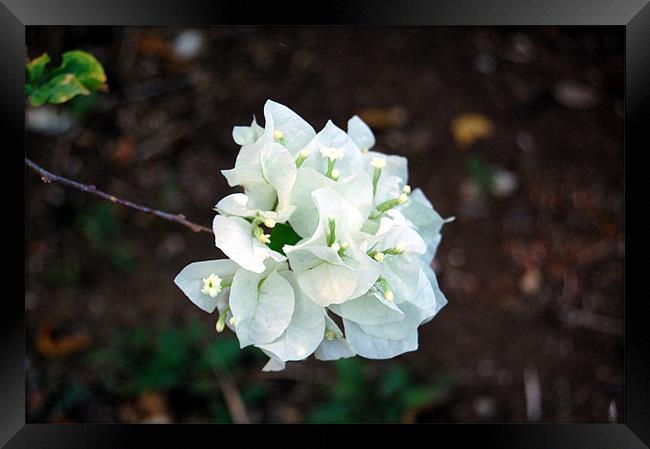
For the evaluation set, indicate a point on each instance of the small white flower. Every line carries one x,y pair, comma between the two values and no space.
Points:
332,153
211,285
378,162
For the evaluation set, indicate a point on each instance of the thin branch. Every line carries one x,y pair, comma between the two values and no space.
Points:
48,177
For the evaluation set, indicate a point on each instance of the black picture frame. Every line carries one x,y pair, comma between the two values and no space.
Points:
633,15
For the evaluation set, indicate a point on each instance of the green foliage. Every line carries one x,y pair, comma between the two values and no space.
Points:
283,234
79,74
358,396
176,357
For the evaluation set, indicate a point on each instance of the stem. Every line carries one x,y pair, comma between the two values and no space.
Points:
47,177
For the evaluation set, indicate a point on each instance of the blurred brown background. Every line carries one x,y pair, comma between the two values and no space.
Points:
518,132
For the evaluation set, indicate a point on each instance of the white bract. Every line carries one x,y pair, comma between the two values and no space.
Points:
327,230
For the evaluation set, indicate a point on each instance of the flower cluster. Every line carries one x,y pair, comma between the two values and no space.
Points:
326,228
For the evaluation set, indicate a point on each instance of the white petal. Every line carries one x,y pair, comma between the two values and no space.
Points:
367,270
274,364
297,132
396,166
235,204
370,308
398,330
361,133
420,212
246,135
190,281
234,236
402,273
305,257
328,284
279,170
262,306
440,299
330,203
305,218
336,348
305,331
372,347
332,136
391,234
357,190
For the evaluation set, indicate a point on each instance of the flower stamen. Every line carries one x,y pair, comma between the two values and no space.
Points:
212,285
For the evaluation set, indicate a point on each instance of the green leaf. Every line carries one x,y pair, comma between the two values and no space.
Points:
36,67
283,234
38,96
64,87
79,74
84,67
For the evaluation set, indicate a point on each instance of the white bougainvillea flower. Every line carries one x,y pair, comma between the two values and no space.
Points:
326,228
355,189
282,126
238,240
261,304
329,266
333,149
206,283
237,204
267,172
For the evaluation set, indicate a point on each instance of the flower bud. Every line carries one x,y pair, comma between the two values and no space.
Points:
406,189
269,222
335,246
336,174
278,135
388,295
379,257
378,162
403,198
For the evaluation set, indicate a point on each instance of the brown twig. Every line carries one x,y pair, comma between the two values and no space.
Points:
47,177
